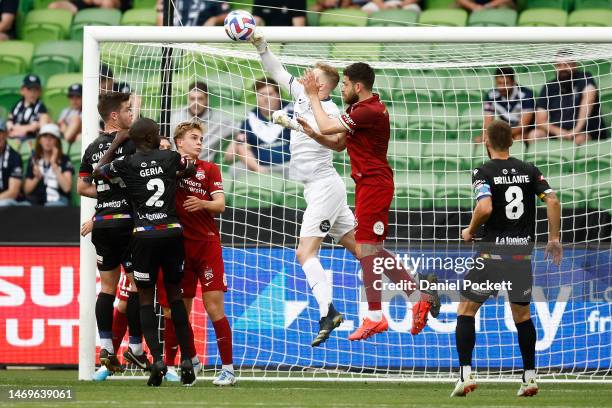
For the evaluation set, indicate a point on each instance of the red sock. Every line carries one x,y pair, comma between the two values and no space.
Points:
170,343
369,277
397,273
224,340
120,324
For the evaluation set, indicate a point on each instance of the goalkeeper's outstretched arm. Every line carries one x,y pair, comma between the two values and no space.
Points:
273,66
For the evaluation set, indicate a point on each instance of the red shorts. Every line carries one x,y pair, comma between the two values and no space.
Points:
124,288
203,263
372,203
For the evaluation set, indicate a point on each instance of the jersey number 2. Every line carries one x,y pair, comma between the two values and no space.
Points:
515,207
157,185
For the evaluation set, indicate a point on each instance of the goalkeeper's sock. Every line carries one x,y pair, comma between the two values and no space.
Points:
528,375
317,280
464,372
104,318
170,343
149,328
223,332
120,324
397,273
527,341
465,337
372,294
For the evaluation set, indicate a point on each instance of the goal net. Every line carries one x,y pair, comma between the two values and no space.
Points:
438,95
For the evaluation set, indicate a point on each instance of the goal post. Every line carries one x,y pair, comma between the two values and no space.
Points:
434,81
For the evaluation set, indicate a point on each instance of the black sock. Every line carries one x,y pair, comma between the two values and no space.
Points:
133,315
465,337
104,314
181,327
527,342
148,320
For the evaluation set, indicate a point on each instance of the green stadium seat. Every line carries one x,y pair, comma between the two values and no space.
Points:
93,16
255,190
57,57
440,4
24,7
343,17
385,84
467,90
54,94
594,157
600,195
47,25
420,89
414,190
590,18
442,17
501,17
451,156
543,18
225,88
10,91
454,190
42,4
341,163
312,50
592,4
74,151
407,52
292,195
435,123
393,18
518,150
404,155
552,156
144,4
470,124
15,57
358,52
551,4
572,189
534,80
139,17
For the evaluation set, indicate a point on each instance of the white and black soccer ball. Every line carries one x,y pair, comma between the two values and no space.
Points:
239,25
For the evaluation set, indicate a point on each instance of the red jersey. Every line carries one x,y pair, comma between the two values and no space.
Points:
199,225
367,141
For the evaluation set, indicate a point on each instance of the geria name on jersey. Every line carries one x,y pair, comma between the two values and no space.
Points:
151,171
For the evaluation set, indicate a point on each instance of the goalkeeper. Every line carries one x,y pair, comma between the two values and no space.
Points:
327,211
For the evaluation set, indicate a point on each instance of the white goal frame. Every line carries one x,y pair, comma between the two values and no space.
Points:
94,35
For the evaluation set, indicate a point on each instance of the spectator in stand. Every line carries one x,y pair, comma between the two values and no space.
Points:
195,12
29,113
70,119
511,103
262,146
8,13
49,174
280,13
75,5
217,126
568,106
371,6
476,5
10,170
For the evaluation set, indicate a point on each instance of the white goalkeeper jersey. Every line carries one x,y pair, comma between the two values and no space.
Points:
309,159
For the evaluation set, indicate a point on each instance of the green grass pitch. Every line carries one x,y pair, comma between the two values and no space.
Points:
135,393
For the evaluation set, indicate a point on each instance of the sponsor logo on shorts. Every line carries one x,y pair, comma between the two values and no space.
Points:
208,274
379,227
325,226
141,276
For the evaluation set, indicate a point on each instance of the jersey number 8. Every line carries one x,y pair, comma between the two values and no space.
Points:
515,207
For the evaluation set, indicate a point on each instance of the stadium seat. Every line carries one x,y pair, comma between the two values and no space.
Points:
318,50
24,7
543,18
439,4
432,123
594,157
393,18
501,17
454,190
15,57
470,123
418,88
592,4
385,84
144,4
57,57
442,17
139,17
414,190
552,156
54,94
360,52
47,25
572,189
93,16
451,156
534,80
467,90
10,90
341,163
590,18
600,195
404,155
551,4
255,190
42,4
343,17
116,55
292,195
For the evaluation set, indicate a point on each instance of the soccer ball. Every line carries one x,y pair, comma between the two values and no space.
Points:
239,25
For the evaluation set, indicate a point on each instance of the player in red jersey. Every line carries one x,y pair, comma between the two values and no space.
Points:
365,130
198,200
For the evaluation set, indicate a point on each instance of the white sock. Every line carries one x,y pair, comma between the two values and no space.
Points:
107,344
465,372
528,375
195,360
317,280
136,348
228,367
375,315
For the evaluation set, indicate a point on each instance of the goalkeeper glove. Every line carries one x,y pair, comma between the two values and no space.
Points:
259,41
280,118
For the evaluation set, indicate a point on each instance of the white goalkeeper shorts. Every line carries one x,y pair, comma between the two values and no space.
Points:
327,211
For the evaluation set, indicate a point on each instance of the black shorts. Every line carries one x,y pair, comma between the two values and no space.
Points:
112,247
149,254
514,276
